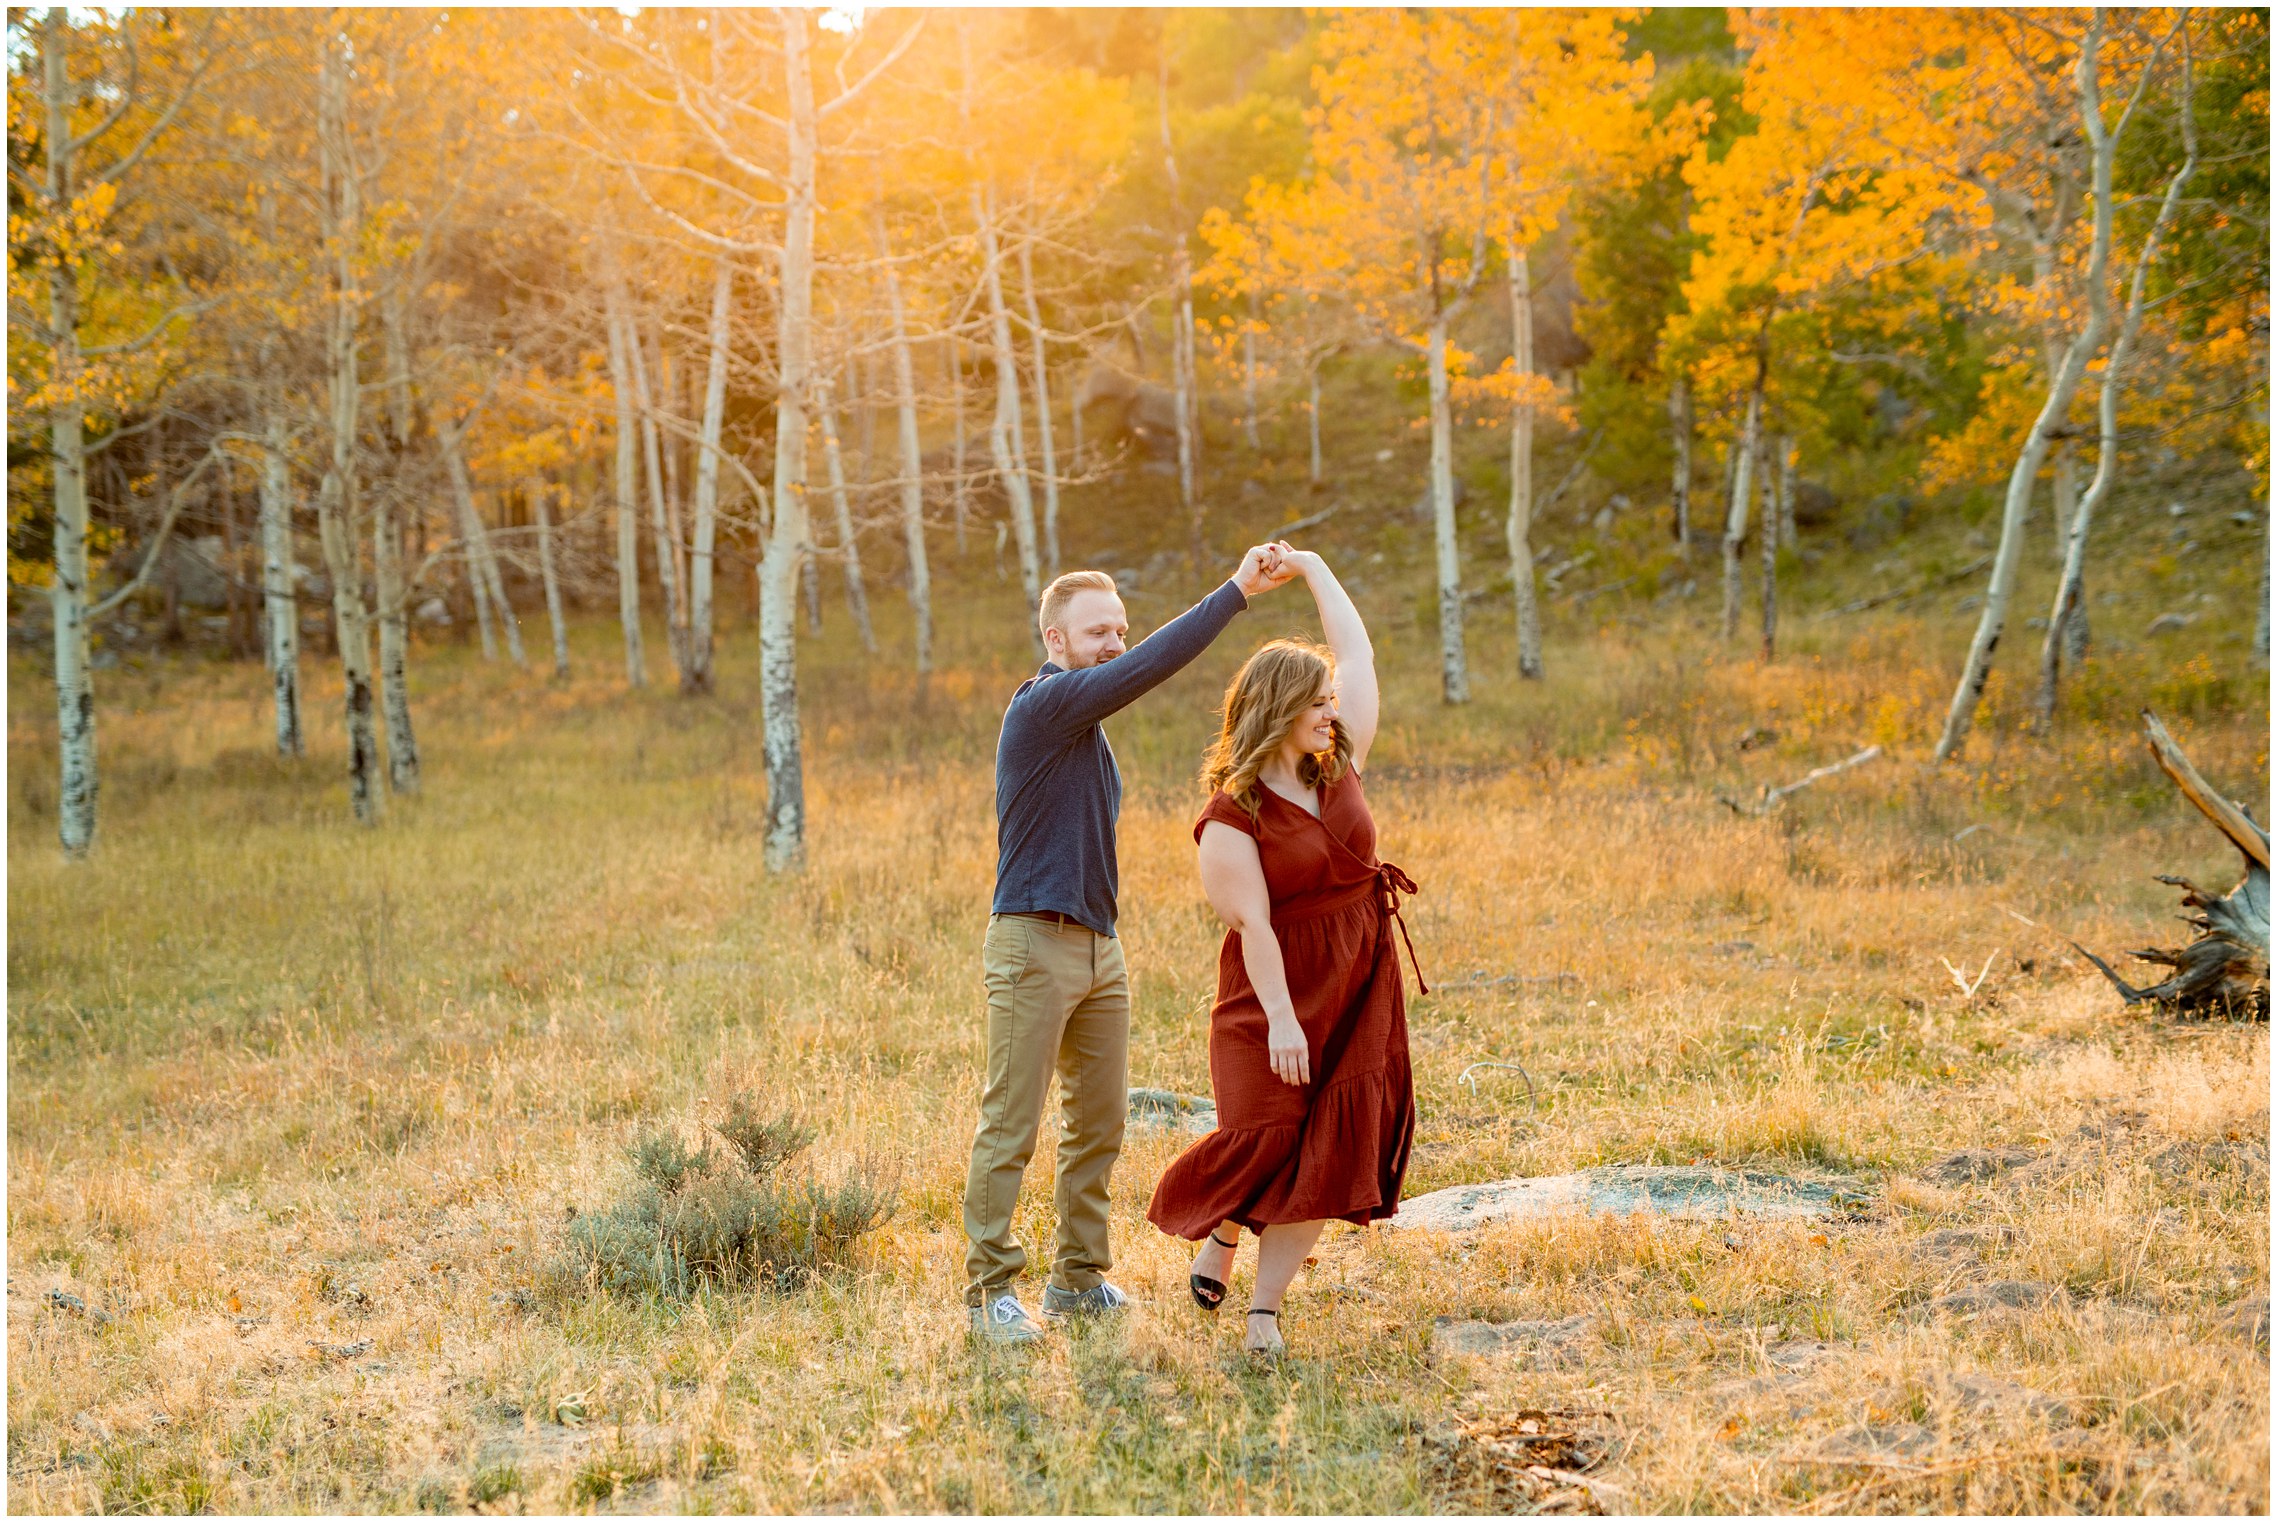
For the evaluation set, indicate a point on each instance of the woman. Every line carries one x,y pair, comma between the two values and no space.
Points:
1308,1040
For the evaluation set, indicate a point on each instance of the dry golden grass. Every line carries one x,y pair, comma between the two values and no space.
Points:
258,1058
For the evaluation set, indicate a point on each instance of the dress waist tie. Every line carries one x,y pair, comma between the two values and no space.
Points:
1391,882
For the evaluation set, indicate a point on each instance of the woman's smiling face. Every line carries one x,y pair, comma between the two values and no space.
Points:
1315,729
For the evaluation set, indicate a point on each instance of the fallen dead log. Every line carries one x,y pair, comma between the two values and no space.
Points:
1577,599
1772,798
2224,971
1860,605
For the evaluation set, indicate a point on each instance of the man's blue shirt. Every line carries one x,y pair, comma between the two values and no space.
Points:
1058,791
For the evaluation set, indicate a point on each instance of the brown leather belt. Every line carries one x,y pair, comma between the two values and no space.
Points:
1054,916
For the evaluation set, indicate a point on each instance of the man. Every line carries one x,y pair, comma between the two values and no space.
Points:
1058,996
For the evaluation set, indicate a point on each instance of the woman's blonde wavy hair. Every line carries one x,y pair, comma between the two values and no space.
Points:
1262,704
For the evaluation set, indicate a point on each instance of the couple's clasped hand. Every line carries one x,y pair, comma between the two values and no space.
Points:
1268,566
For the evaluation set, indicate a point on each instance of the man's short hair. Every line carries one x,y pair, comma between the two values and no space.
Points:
1062,591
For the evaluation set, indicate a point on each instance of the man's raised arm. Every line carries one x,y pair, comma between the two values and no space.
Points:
1077,700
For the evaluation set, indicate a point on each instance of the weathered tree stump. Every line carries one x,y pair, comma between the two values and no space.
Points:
2224,971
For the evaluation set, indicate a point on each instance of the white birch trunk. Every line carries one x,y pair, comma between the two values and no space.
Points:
912,468
668,405
336,504
1680,480
1993,622
2067,618
1043,413
697,675
2261,619
1005,444
1183,397
675,614
394,646
849,548
1787,536
785,847
1519,532
387,554
2066,493
1735,518
508,624
74,689
810,587
1182,334
627,485
1454,673
542,510
68,594
1312,418
1075,418
481,560
1249,378
281,610
960,492
1770,545
2064,488
462,514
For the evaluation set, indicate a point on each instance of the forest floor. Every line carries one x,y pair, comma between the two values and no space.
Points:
297,1112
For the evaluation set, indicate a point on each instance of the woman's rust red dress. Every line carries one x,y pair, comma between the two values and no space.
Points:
1334,1149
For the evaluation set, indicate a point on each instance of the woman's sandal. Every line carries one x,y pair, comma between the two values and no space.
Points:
1209,1294
1276,1348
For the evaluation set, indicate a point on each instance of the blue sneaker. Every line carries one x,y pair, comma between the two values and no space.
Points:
1099,1300
1005,1320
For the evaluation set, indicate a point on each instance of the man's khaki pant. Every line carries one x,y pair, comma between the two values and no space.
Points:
1058,997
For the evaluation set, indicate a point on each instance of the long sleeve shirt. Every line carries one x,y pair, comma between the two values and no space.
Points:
1058,790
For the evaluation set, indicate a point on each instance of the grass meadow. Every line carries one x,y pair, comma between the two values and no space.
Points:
297,1112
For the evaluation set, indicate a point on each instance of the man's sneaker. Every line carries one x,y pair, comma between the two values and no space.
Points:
1005,1320
1097,1301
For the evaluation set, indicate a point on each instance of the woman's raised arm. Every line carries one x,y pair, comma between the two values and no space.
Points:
1358,703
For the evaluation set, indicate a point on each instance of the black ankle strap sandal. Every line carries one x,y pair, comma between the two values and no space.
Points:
1209,1294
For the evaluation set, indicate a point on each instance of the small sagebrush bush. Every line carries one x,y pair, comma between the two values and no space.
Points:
733,1216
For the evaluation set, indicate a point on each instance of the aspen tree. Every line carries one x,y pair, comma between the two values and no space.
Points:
1249,326
960,490
280,608
849,547
1786,453
2068,608
764,146
1182,381
539,492
70,217
696,675
1438,138
787,545
387,554
481,563
912,481
1680,484
2103,140
337,502
1041,370
1770,546
1744,453
1285,262
652,453
626,498
1005,441
1520,527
